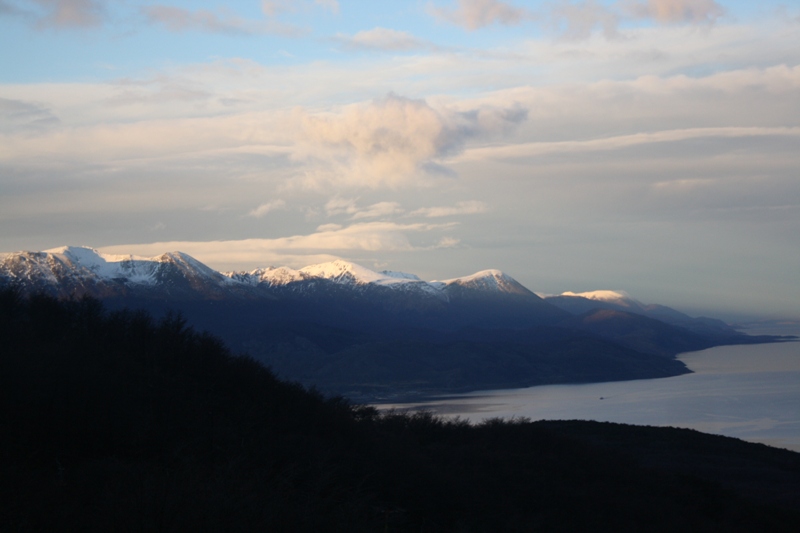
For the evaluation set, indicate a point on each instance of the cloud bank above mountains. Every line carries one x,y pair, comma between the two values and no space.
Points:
577,145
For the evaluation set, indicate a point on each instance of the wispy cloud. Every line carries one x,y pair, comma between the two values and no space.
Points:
526,150
476,14
578,20
380,209
461,208
448,242
348,206
331,5
675,11
178,19
25,117
384,39
273,8
58,14
265,208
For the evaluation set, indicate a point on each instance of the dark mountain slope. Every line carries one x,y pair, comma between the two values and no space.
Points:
639,332
365,353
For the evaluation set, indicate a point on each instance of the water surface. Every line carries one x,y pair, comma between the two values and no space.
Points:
751,392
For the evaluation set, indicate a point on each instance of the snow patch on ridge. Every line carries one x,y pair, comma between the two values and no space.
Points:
601,296
618,298
484,275
275,276
347,272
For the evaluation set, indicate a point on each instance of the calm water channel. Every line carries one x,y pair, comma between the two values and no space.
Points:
749,392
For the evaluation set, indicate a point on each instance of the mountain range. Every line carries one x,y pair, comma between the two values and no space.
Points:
349,330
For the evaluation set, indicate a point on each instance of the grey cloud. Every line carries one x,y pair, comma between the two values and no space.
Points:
18,116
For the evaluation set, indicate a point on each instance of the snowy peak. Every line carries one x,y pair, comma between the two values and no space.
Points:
346,272
492,281
188,265
270,276
79,270
80,255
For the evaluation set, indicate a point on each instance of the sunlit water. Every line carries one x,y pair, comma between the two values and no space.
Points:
750,392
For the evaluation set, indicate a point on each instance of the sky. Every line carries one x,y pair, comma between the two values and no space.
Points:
650,146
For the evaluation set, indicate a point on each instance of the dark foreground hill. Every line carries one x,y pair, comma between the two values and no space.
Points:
118,422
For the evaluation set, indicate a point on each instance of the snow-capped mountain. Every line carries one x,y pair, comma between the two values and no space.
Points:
76,271
489,297
485,281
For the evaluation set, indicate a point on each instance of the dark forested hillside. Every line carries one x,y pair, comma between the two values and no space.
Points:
361,352
116,421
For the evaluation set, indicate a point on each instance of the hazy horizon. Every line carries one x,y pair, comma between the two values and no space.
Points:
650,146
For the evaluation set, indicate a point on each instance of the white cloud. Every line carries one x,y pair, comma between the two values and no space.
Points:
329,239
475,14
381,143
263,209
461,208
383,39
395,141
